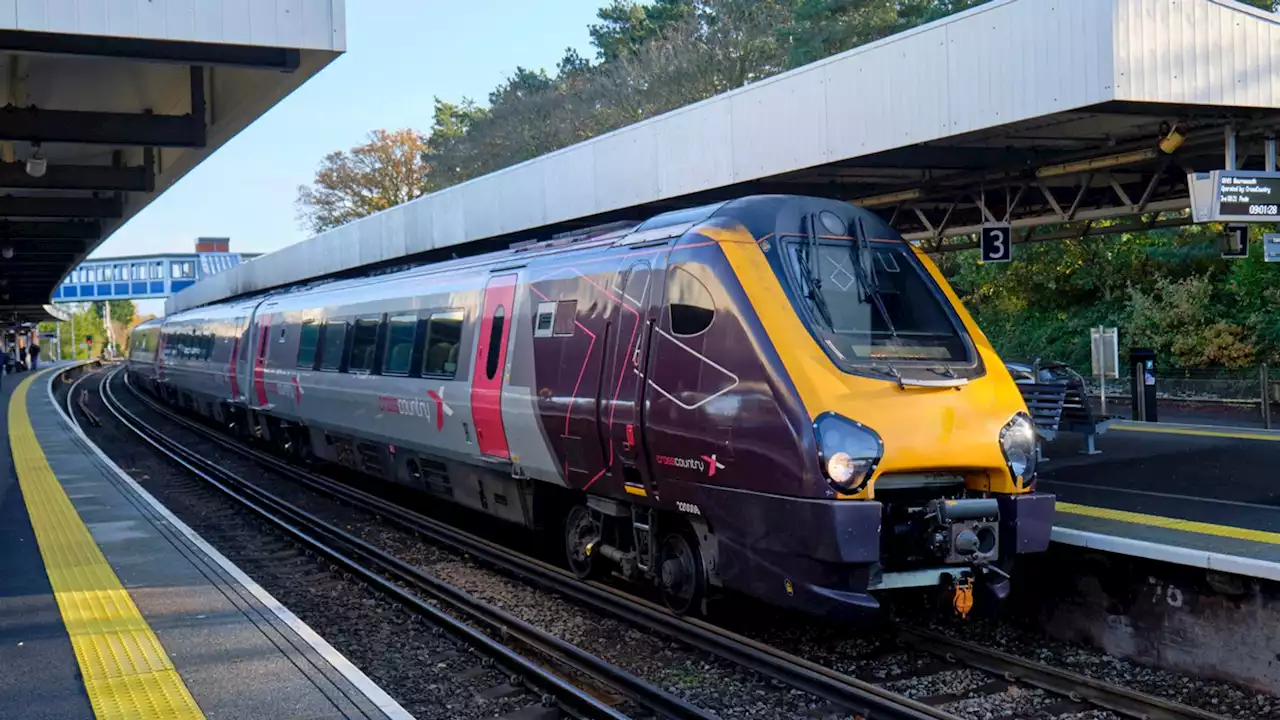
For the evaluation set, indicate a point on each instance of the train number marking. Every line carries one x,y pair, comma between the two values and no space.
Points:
688,508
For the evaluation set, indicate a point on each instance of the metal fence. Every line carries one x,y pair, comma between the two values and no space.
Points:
1245,391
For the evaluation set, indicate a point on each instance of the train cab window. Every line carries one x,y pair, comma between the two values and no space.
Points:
364,342
308,343
692,309
444,337
495,342
402,335
335,337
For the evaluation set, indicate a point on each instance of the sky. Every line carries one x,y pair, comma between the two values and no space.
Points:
401,54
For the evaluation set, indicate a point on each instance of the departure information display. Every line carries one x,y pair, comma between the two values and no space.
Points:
1235,196
1252,197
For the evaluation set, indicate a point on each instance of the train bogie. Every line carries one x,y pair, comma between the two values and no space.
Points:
775,395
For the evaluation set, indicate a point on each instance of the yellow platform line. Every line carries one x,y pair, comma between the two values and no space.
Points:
1202,432
1227,531
125,670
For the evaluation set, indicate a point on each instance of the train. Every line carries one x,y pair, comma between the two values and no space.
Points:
775,396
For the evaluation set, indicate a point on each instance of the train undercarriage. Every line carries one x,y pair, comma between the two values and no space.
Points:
929,531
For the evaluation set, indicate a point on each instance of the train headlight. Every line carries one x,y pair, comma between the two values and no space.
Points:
849,450
1018,443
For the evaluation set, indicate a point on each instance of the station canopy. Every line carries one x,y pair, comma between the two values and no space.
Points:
105,105
1040,113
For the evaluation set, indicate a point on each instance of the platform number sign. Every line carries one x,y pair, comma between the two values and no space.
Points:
1235,244
997,243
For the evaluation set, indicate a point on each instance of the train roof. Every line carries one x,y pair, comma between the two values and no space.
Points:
1008,85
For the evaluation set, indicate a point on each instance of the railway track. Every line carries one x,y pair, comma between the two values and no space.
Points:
1076,693
411,588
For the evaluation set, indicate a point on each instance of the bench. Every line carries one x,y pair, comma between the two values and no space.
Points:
1059,408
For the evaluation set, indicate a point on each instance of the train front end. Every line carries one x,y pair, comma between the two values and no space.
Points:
923,453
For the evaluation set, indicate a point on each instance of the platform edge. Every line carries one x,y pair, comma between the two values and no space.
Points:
340,663
1206,559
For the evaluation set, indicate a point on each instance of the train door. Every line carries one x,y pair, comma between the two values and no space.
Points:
620,417
490,363
262,342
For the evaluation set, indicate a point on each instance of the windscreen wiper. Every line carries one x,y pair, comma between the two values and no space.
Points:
868,285
810,248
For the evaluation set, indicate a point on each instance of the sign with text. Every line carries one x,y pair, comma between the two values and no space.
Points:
1235,195
1104,351
1271,247
997,243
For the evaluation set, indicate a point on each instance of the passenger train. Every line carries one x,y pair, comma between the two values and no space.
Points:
775,395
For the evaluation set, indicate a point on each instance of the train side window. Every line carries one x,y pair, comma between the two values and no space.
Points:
542,321
308,343
444,338
495,341
364,343
692,309
335,337
402,332
566,315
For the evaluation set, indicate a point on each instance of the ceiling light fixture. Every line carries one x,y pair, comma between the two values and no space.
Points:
37,165
6,252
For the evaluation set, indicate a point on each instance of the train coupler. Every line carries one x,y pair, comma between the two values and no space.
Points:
961,592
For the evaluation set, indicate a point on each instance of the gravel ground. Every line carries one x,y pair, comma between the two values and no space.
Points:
717,685
1216,697
429,673
869,653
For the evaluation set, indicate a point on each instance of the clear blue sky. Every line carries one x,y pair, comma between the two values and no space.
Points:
400,55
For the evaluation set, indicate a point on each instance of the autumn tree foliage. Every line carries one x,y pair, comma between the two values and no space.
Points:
390,169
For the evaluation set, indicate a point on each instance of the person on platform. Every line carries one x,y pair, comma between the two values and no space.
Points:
34,351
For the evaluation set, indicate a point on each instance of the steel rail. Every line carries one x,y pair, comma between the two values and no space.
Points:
344,549
863,698
811,677
1120,700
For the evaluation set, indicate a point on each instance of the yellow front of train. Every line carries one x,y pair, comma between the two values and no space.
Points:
911,406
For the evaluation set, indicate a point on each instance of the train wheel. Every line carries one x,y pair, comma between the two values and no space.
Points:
680,573
581,533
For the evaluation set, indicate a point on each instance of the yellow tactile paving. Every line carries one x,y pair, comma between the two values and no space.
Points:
1200,431
125,669
1228,531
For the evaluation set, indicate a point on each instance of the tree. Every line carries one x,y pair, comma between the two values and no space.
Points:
388,170
625,25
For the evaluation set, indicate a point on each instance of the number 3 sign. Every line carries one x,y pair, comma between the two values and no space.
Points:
997,243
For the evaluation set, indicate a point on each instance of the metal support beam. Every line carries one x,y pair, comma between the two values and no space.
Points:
1229,147
185,53
1271,153
56,207
100,128
1170,205
34,230
1084,187
1151,186
1071,233
1048,196
79,177
1120,193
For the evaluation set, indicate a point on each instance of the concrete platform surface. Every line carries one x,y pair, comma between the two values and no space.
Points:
220,637
1206,496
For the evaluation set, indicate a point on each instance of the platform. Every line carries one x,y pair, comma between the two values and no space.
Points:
1207,496
112,607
